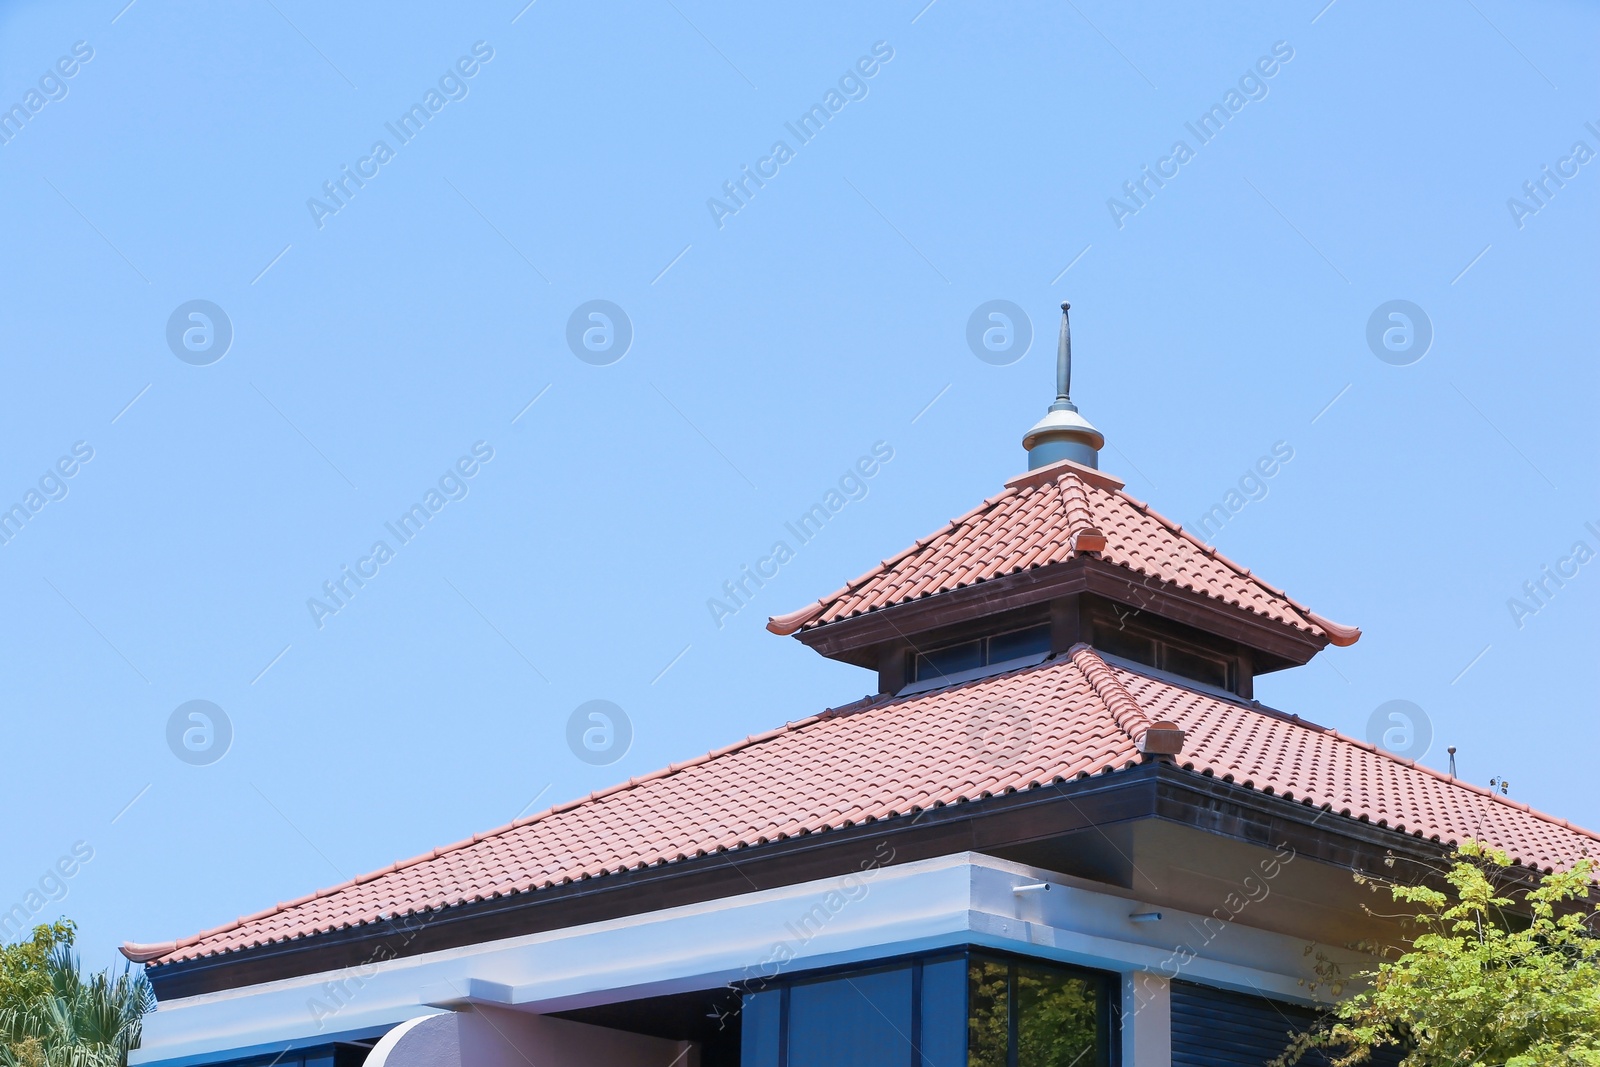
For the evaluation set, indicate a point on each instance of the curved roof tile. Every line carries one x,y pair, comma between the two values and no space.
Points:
1071,716
1050,516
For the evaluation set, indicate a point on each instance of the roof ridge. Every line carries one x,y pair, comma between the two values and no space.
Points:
784,625
1130,716
1083,530
902,579
1178,681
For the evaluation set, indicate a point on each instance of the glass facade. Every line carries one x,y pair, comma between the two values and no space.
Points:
1024,1014
969,1010
855,1019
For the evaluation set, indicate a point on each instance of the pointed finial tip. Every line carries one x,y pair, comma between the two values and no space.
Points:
1063,433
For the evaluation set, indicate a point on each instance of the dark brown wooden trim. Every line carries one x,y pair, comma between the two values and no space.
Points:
1203,613
945,609
1068,623
1278,645
894,663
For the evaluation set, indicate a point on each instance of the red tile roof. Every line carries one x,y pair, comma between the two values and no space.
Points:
1071,716
1053,515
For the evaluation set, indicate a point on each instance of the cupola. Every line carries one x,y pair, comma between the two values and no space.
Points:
1062,555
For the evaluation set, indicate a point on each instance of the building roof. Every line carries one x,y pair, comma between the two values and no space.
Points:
1075,715
1053,515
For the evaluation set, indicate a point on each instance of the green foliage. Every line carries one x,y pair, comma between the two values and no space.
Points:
52,1015
1494,976
25,966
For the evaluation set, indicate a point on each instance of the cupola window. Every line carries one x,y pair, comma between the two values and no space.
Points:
1159,650
981,652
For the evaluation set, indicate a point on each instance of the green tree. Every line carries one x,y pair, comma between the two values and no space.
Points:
1496,975
68,1019
25,965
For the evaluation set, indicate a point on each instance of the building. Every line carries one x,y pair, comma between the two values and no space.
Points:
1061,833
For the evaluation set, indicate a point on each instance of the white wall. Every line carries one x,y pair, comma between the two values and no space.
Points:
1146,1020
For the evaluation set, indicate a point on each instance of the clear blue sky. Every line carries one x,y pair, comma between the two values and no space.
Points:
370,353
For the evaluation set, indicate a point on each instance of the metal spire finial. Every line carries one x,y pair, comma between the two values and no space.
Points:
1063,433
1064,364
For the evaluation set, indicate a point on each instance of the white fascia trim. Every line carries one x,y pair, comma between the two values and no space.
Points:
879,912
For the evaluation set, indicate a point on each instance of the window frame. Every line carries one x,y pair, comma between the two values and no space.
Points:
984,642
1162,642
1108,1011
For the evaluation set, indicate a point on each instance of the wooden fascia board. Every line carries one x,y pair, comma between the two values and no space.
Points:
845,638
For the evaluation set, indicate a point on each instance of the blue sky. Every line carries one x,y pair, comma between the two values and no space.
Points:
374,347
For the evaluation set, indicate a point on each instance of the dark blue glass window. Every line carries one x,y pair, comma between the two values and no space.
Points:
859,1020
761,1028
944,1013
1019,643
981,652
964,1010
952,660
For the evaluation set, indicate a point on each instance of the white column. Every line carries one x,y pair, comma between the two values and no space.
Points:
1146,1020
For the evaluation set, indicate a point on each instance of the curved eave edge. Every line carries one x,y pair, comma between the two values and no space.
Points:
138,953
784,625
1342,636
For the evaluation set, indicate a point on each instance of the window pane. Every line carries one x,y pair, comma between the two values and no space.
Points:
758,1037
945,661
1124,643
944,1013
1058,1019
860,1021
988,1025
1019,643
1202,668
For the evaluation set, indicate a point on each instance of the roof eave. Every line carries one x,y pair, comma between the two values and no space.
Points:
1155,789
849,637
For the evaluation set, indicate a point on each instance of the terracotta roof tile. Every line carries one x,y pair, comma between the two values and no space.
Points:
1050,516
1072,716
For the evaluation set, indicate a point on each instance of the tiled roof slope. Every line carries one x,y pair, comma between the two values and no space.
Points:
1051,516
1328,769
1068,717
